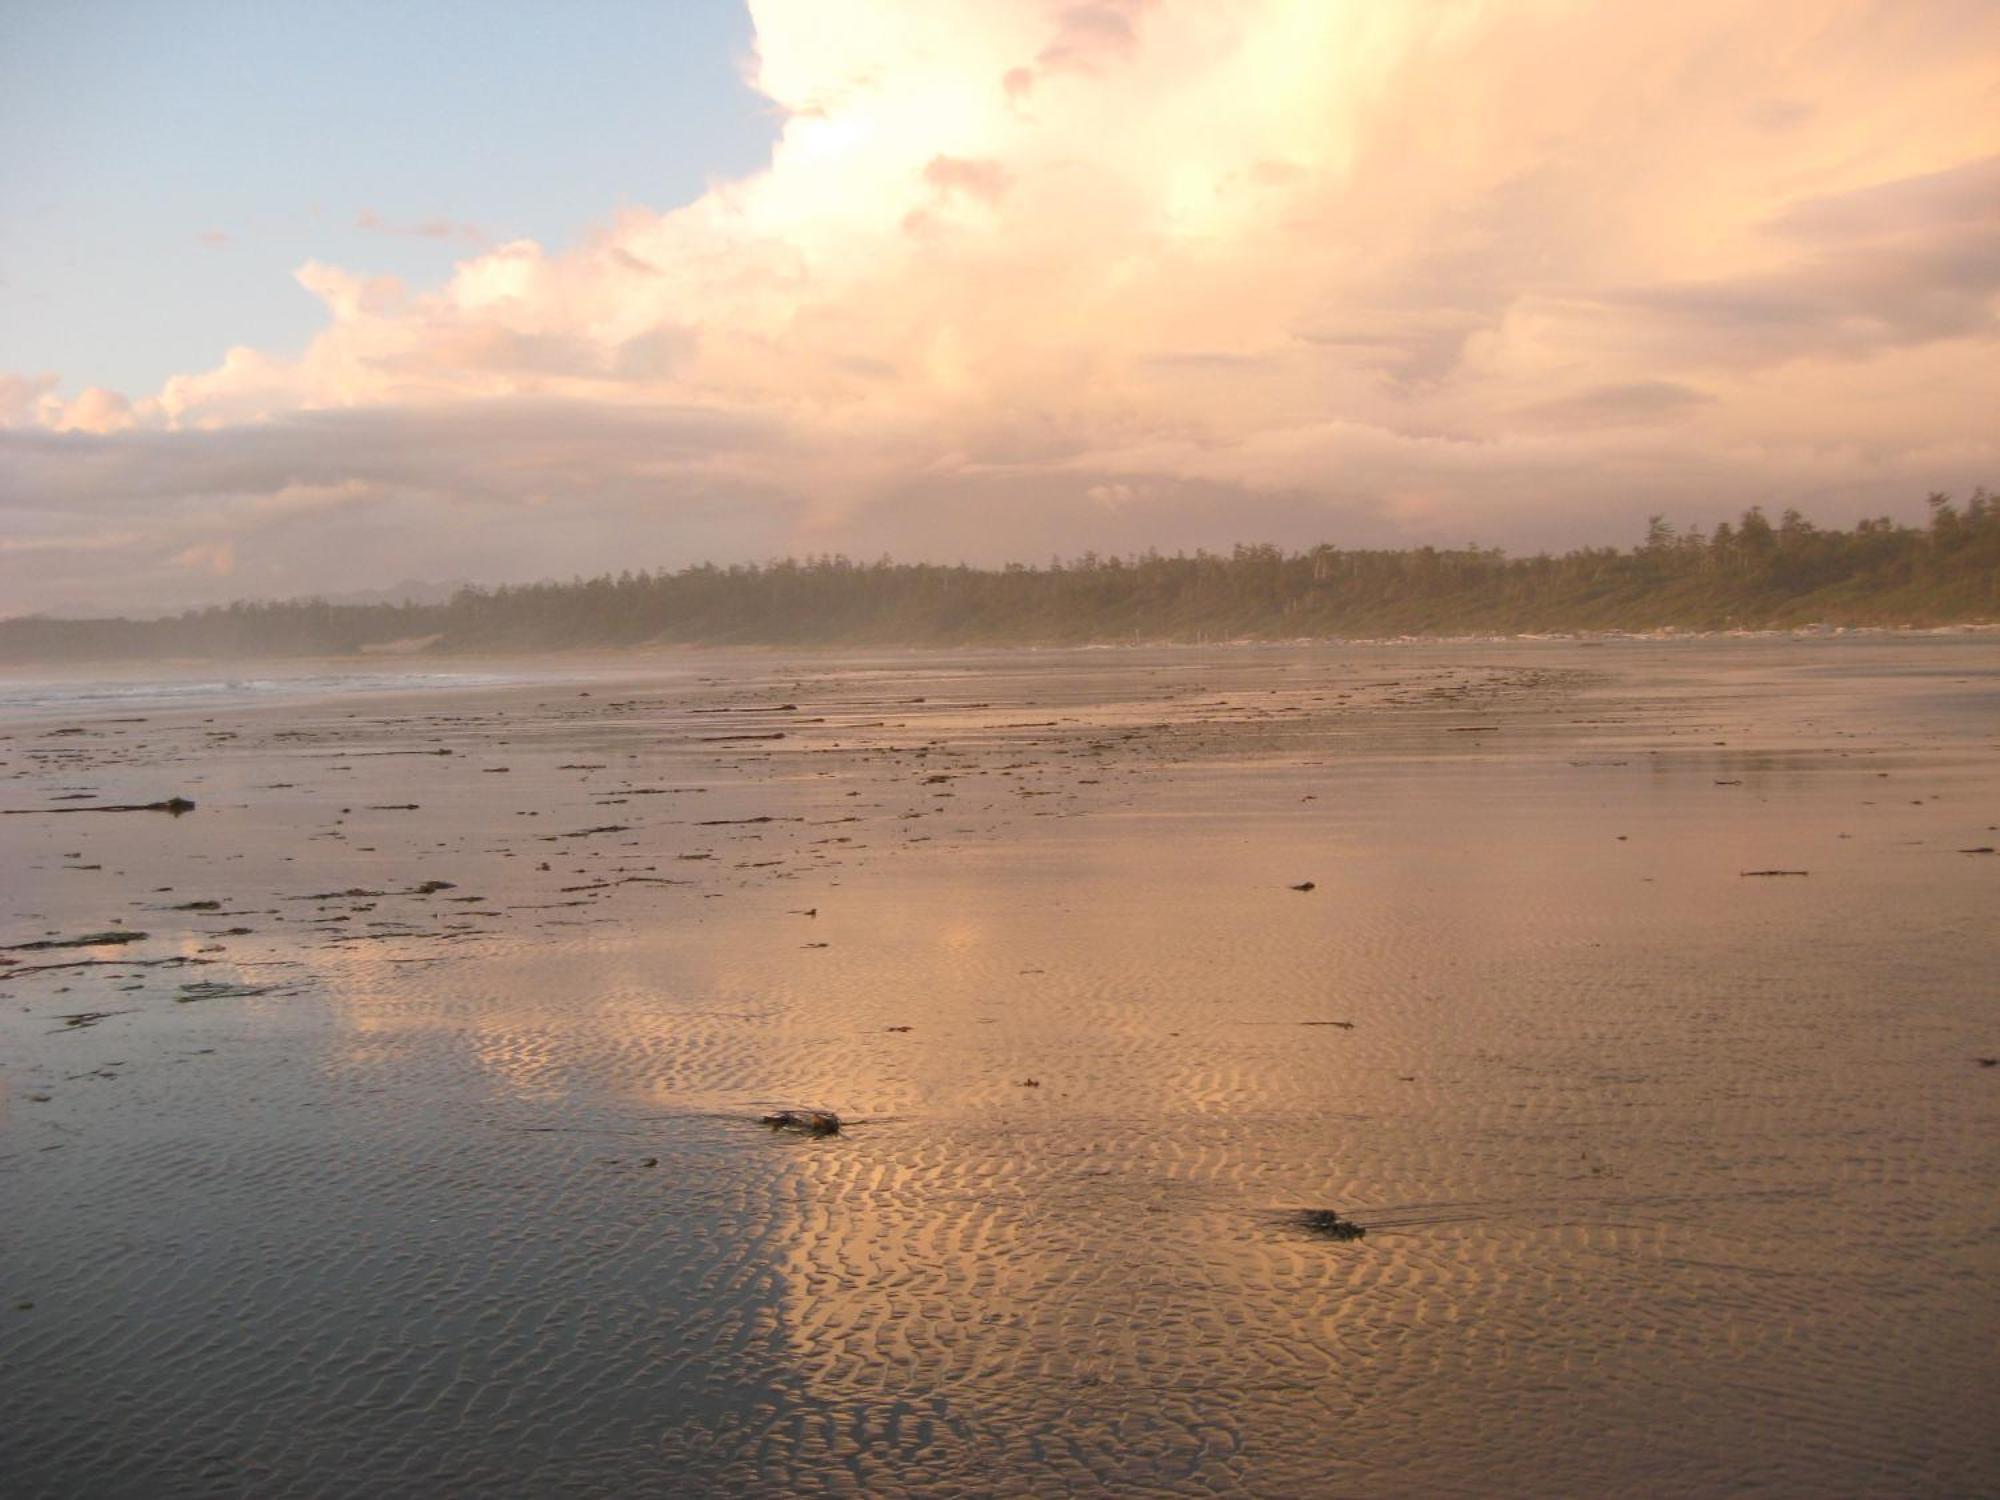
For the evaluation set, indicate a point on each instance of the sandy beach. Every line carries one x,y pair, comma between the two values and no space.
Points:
400,1133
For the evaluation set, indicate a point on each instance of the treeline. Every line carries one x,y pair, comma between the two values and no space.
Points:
1750,574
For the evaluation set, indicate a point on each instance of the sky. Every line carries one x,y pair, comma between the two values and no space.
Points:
313,298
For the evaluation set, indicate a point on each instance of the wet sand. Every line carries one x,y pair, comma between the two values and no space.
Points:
414,1150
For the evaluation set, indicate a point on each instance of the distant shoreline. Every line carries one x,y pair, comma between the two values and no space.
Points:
395,665
1749,577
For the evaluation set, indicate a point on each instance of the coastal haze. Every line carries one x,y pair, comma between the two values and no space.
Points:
416,1146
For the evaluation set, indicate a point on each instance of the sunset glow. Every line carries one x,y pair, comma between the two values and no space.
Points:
1030,278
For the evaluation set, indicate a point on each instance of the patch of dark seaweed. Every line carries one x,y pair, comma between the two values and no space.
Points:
1327,1224
88,940
217,989
173,805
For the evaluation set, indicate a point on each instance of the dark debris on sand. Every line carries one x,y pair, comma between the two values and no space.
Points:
1328,1224
804,1121
174,805
88,940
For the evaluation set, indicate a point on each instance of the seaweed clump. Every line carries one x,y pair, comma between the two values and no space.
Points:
1329,1225
804,1121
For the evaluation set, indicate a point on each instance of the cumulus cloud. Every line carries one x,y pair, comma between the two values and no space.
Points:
1031,277
94,410
26,400
984,180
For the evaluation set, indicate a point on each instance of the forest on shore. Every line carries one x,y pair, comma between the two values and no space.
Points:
1750,574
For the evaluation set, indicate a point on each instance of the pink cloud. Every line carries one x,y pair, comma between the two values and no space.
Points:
986,180
216,558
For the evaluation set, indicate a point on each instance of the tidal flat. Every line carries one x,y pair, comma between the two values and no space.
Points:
1636,1001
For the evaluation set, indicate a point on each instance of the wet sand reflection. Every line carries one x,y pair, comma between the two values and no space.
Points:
1673,1180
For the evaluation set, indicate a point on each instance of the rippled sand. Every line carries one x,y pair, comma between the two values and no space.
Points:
1676,1179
